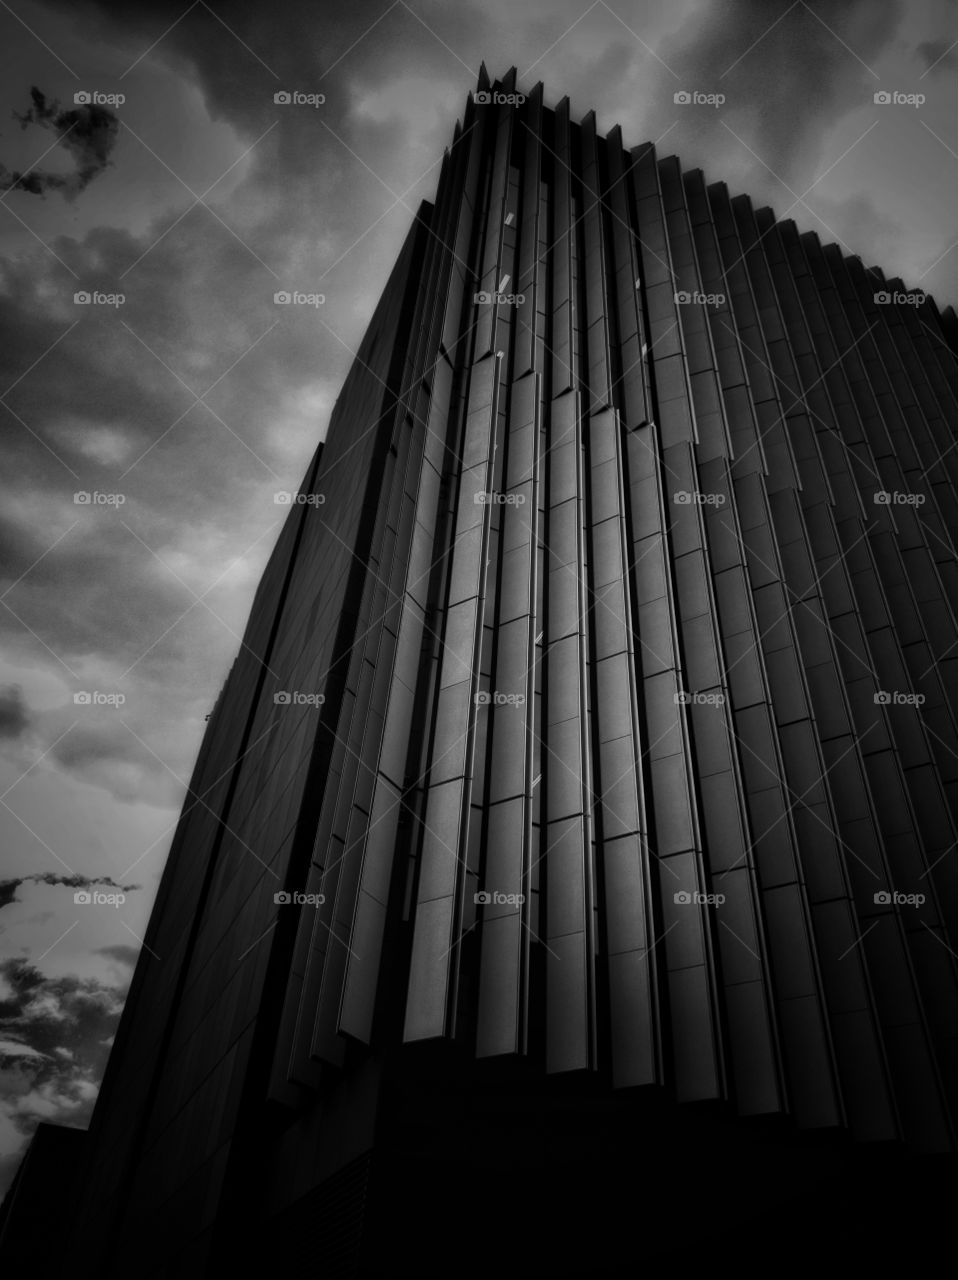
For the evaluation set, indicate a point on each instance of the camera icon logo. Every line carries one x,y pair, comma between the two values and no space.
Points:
282,899
282,698
82,498
683,897
682,698
882,698
82,897
283,499
682,98
482,899
282,98
282,298
882,498
83,699
883,898
483,698
82,98
483,97
682,498
483,296
882,298
882,97
682,297
82,298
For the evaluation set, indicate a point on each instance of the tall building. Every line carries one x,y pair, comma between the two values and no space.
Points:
569,870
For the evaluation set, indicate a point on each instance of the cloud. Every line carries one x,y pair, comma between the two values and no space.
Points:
107,754
14,715
17,1049
123,600
121,953
8,888
938,54
872,226
87,133
768,59
55,1035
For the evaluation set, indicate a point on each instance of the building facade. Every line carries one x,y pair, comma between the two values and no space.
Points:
569,866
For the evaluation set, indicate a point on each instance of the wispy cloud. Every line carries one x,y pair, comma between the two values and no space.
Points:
87,133
8,888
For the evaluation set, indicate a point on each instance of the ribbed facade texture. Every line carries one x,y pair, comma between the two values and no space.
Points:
596,715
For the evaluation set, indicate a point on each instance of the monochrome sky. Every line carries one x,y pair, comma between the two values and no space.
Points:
185,408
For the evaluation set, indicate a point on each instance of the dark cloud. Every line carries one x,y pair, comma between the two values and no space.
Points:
938,54
87,133
121,953
39,1007
104,742
14,714
55,1036
119,592
788,71
8,888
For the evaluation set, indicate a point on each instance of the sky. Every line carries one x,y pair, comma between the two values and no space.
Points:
154,398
